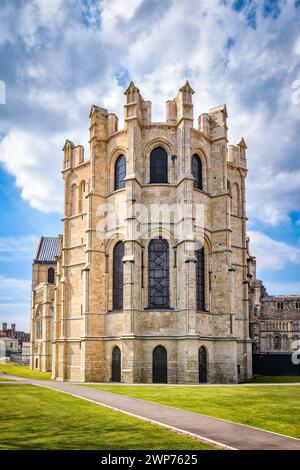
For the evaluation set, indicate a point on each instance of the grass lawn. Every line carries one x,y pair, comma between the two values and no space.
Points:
3,379
275,379
273,408
24,371
36,418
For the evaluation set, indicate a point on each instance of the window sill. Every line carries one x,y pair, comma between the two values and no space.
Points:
156,309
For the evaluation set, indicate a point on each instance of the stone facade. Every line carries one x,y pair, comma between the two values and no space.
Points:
80,326
274,321
42,303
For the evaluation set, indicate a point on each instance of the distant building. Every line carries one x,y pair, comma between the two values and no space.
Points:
274,329
8,346
12,333
26,352
11,342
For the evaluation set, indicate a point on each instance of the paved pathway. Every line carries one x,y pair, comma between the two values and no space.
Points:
232,435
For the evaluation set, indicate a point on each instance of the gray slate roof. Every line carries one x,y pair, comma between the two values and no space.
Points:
48,250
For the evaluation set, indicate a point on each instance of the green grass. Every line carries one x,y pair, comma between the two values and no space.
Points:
4,379
275,379
24,371
273,408
36,418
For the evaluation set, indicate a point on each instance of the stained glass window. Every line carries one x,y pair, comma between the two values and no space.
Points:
200,297
197,171
120,172
158,166
158,273
118,276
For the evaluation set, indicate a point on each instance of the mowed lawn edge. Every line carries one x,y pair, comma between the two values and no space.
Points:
36,418
275,379
273,408
23,371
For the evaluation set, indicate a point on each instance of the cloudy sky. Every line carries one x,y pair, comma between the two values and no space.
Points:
57,57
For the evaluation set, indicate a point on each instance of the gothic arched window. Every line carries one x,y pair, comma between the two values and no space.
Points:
235,199
51,276
120,172
74,208
277,342
82,196
158,166
285,342
158,273
200,275
159,365
38,325
202,363
118,276
197,172
116,364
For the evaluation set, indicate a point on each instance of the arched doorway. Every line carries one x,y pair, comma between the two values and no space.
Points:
160,365
116,364
202,359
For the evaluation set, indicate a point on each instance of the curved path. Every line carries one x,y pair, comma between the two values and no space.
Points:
217,431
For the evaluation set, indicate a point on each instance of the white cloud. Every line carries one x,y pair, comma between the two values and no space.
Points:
271,254
36,163
112,10
158,45
38,14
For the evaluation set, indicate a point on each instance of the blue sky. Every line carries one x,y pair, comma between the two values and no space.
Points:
57,57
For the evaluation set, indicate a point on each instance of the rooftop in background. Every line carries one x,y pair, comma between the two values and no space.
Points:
48,250
281,297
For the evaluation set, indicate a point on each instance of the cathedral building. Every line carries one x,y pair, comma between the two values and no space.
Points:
150,280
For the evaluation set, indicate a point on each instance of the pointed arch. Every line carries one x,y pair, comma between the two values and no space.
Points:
202,361
158,166
158,273
38,323
159,365
51,276
235,199
116,364
81,200
197,171
118,255
74,207
277,342
200,278
120,172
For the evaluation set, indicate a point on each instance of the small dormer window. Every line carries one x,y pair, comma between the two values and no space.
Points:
51,276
